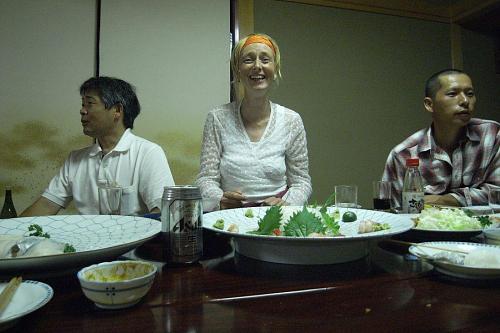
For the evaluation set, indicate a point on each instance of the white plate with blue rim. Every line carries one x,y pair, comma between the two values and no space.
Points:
95,238
29,296
453,269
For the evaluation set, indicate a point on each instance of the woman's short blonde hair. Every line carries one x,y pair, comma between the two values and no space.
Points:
235,62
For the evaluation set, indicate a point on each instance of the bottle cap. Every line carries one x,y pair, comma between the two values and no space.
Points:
412,162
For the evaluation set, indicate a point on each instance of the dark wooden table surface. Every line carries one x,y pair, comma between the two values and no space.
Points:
387,291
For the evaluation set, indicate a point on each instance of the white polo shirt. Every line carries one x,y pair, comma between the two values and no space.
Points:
136,164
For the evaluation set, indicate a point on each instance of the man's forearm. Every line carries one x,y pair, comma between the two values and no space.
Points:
41,207
442,200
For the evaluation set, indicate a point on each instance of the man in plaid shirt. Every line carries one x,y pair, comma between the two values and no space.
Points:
459,155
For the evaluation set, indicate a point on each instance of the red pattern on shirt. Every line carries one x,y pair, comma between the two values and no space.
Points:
467,175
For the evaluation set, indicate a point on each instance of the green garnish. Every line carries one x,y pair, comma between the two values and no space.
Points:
37,231
349,217
269,222
332,226
329,202
249,213
468,212
68,248
335,215
219,224
484,220
380,226
303,223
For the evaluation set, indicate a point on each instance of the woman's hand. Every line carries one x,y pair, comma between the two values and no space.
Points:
232,200
273,201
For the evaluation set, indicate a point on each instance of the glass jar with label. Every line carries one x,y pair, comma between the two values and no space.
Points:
413,188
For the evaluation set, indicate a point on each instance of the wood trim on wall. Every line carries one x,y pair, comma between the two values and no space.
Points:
244,21
446,12
466,8
419,9
457,59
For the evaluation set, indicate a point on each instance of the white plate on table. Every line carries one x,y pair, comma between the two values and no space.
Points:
95,238
29,296
456,270
479,210
307,250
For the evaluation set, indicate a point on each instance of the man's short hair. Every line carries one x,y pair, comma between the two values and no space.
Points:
113,91
433,84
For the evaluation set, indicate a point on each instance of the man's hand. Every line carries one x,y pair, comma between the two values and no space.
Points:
442,200
232,200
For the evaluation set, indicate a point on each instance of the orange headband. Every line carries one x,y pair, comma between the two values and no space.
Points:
258,39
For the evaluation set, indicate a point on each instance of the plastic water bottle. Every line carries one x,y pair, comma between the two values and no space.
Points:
413,188
8,210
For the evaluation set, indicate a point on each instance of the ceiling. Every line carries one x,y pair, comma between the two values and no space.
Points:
486,21
477,15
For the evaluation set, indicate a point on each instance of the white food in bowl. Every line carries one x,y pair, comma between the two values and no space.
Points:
117,284
483,258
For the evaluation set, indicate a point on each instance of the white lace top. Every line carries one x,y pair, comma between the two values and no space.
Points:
230,161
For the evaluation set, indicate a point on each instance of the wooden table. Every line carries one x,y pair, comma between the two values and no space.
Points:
387,291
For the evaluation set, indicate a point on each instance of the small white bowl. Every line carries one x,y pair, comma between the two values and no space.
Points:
117,284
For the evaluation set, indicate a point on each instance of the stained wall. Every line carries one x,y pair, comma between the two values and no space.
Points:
176,53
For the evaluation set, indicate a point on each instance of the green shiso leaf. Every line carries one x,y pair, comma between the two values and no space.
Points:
269,222
303,223
332,226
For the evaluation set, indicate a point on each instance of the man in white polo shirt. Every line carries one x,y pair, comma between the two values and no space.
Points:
118,157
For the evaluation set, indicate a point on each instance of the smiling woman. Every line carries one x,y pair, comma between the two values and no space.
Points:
254,151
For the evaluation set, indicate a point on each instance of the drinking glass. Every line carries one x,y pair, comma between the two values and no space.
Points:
382,195
110,197
494,199
346,196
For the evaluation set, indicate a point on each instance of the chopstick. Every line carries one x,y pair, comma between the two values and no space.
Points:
427,246
9,291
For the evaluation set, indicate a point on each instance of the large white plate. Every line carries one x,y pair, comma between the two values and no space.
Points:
455,270
29,296
95,238
307,250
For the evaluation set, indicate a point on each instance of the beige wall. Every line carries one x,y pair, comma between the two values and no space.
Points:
175,52
47,51
357,80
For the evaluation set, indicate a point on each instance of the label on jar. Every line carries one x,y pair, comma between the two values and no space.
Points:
413,202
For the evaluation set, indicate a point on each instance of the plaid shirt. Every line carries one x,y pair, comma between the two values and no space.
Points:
472,169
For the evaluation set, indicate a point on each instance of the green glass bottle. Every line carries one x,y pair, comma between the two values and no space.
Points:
8,210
